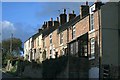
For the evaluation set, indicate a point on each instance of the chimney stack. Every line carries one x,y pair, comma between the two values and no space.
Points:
63,18
51,19
64,11
58,19
44,26
50,23
73,11
98,4
72,16
84,10
39,30
86,2
55,23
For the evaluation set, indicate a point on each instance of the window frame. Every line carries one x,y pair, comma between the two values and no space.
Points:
61,38
50,36
73,31
38,41
91,22
92,48
43,43
50,53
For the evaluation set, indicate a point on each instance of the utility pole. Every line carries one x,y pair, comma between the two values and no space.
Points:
11,43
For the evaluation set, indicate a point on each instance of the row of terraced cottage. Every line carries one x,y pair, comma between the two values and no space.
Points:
94,34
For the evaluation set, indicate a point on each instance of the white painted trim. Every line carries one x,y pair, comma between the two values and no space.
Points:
91,58
91,31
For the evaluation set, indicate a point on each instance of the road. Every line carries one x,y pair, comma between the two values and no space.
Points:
7,76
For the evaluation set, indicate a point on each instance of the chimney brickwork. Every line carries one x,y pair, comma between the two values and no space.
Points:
84,10
72,16
63,18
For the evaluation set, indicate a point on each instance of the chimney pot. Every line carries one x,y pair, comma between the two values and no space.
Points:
64,11
73,11
87,3
51,19
56,24
49,24
58,19
46,23
39,30
72,16
63,17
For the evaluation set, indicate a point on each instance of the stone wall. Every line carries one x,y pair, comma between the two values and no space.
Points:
62,67
32,71
66,67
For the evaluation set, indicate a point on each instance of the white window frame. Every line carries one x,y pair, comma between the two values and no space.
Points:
29,43
51,53
91,22
61,38
38,42
92,48
71,49
92,8
76,46
73,32
50,38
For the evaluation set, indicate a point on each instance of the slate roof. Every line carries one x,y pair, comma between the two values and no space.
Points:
48,31
68,24
34,36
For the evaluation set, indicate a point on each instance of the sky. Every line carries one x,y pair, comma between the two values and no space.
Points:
23,19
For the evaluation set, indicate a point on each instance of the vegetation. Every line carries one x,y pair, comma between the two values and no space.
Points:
5,46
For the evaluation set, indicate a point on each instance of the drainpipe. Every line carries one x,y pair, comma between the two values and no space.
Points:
100,61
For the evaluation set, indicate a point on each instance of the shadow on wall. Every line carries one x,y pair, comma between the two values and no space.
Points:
53,67
66,67
62,67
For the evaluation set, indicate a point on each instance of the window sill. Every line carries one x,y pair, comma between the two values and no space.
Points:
61,44
51,44
91,58
91,31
